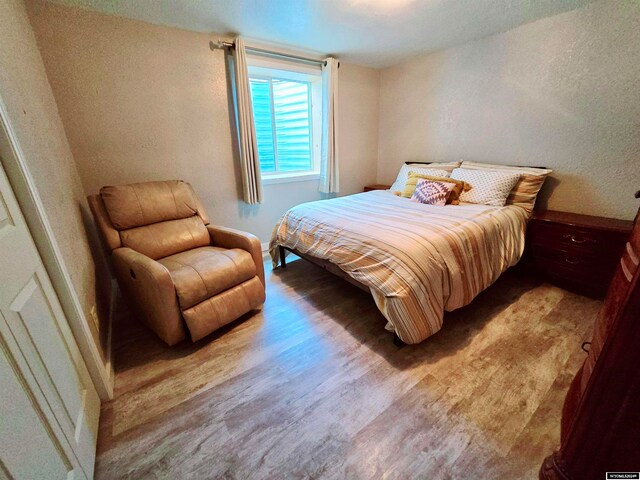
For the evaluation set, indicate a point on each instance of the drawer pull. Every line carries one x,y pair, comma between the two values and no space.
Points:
576,239
571,262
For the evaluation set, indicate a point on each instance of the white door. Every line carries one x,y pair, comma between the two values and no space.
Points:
49,408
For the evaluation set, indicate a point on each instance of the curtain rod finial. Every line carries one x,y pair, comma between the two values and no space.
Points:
219,45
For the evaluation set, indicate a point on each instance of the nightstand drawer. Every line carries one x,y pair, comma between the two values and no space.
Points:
571,262
583,240
579,281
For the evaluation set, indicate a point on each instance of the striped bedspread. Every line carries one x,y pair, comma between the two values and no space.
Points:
418,260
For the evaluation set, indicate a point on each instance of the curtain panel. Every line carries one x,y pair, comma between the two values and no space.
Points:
329,164
247,139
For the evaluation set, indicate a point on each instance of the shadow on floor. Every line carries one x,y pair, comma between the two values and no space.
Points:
338,301
323,289
134,344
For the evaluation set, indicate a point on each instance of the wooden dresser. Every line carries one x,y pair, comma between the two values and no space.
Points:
601,414
377,186
576,252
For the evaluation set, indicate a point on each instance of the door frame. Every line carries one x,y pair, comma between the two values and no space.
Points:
38,223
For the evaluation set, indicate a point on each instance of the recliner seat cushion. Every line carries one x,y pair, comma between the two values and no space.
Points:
203,272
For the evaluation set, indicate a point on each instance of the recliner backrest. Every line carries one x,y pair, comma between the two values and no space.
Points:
156,219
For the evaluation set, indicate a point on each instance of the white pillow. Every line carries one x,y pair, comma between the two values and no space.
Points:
488,187
403,174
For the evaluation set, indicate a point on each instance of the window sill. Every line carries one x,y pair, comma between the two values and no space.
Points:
289,177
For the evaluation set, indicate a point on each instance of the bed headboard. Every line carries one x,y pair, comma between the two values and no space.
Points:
427,163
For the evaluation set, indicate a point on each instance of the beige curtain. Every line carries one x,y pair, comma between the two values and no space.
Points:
249,161
329,166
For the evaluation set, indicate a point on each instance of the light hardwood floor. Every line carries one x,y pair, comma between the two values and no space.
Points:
313,387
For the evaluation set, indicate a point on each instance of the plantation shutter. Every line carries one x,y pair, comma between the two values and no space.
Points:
282,113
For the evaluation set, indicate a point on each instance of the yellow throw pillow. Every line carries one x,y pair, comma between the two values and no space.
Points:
453,196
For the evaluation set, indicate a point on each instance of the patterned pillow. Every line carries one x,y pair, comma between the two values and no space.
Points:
488,187
453,199
526,190
432,192
403,174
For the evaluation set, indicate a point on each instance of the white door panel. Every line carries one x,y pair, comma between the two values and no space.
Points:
44,343
50,390
26,427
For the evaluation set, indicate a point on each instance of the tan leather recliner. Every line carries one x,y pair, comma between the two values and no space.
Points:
171,264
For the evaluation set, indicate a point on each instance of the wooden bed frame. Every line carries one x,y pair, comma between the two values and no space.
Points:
331,268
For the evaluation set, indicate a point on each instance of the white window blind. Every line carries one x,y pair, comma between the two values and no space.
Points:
282,116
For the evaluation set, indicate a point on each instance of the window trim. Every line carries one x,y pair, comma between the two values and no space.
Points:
301,176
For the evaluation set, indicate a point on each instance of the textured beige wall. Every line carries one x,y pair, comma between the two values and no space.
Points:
144,102
34,117
562,92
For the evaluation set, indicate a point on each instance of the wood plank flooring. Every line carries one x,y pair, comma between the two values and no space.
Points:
313,387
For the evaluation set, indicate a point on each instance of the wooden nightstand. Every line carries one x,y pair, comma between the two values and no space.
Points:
576,252
377,186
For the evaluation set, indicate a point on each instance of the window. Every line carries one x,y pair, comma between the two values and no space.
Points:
287,117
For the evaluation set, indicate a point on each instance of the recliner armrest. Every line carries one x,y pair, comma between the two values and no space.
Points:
152,290
231,238
157,272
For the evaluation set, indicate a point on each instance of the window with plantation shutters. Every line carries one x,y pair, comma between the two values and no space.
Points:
286,114
282,113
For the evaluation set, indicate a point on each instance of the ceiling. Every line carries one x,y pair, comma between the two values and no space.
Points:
376,33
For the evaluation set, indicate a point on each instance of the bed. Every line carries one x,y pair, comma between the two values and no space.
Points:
417,260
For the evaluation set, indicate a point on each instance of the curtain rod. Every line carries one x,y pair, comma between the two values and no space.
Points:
268,53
